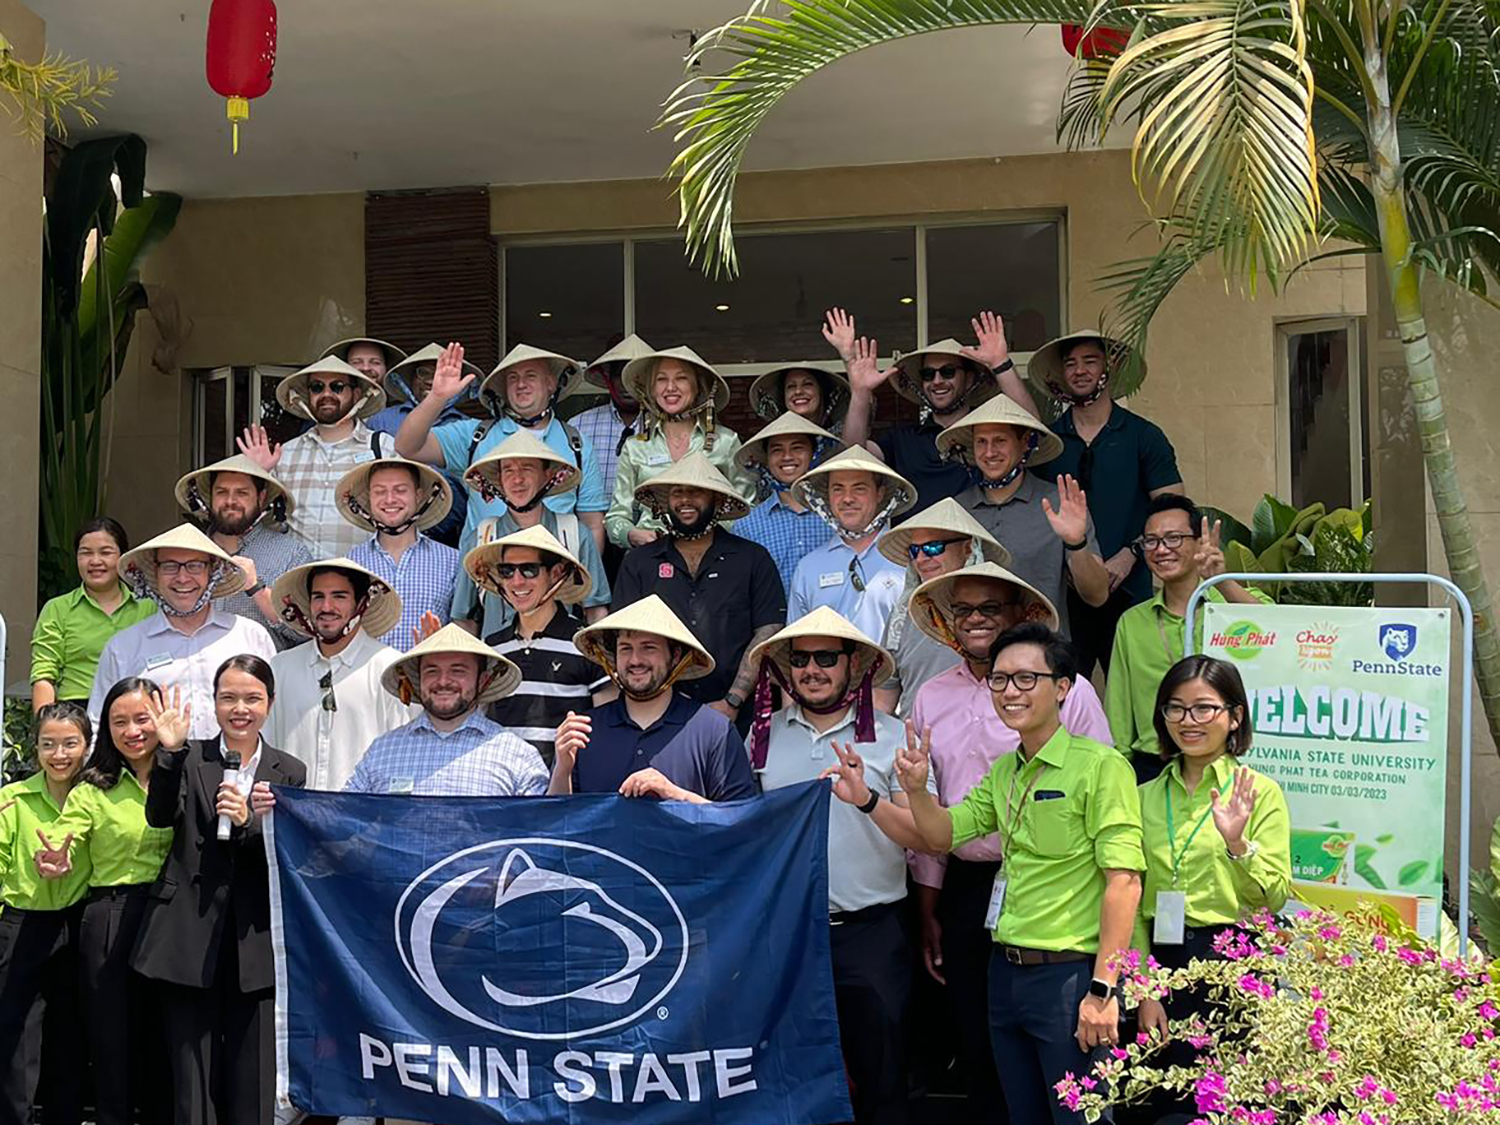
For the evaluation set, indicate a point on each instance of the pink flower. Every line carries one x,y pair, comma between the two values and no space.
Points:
1209,1091
1256,986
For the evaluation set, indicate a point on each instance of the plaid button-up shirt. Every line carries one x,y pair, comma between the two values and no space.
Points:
601,427
479,759
310,469
274,552
422,578
788,535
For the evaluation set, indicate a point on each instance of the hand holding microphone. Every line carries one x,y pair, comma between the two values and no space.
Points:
231,804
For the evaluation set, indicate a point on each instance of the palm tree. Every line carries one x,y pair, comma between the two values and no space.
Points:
1262,129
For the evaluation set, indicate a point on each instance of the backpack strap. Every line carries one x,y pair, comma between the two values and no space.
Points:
479,434
575,443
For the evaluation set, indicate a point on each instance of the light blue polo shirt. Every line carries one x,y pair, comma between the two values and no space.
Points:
455,438
826,576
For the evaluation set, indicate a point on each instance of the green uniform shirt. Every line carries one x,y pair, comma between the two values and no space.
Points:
109,829
1148,641
1219,890
20,885
71,632
1064,818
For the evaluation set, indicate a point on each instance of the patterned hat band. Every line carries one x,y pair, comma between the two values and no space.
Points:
819,504
197,506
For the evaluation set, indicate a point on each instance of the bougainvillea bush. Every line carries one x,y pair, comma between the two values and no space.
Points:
1317,1020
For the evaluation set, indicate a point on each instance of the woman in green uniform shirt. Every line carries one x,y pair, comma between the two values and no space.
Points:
104,829
39,932
1217,835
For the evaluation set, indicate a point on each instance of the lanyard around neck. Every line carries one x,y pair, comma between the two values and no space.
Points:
1176,853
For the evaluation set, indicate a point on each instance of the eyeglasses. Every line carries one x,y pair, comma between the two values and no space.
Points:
947,371
1171,540
330,701
528,570
826,657
1200,712
338,386
856,579
197,568
1024,681
931,550
991,611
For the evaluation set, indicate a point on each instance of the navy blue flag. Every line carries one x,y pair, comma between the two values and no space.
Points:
576,959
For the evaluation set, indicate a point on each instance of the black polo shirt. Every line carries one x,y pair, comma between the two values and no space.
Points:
737,591
1127,460
912,451
555,678
691,745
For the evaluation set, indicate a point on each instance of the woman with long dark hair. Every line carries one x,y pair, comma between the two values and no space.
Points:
103,831
39,1025
206,940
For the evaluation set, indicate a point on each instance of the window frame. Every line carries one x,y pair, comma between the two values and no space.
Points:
1362,422
263,379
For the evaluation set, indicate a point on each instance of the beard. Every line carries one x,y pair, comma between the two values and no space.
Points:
819,693
653,686
450,711
235,524
328,632
328,411
688,530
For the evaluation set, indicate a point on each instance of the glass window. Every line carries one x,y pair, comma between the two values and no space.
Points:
1329,458
774,309
568,299
1012,268
231,398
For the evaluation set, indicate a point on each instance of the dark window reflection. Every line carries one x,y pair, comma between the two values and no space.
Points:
568,299
1011,268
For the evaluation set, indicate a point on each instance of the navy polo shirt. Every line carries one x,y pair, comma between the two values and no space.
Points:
691,745
912,451
1128,460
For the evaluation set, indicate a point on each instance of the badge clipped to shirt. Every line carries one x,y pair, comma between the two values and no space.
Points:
160,660
1171,918
997,903
664,570
827,580
659,459
401,785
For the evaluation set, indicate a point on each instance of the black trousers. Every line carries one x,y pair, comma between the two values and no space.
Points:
967,948
872,987
120,1014
39,1017
1091,628
221,1043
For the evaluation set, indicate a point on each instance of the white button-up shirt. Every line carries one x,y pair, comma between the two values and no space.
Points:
169,658
310,469
331,742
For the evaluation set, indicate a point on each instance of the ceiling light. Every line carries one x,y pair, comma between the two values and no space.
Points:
544,315
721,308
907,300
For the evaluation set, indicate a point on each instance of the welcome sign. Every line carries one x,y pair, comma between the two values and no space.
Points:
579,959
1350,708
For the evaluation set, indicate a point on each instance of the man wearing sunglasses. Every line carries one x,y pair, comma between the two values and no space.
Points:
337,399
1121,460
967,610
1182,549
329,702
830,728
946,380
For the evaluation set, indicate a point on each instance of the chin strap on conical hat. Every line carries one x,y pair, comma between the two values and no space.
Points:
200,508
570,572
298,399
490,493
613,672
819,505
862,695
141,587
1064,397
926,410
960,454
822,447
705,409
434,494
675,529
292,614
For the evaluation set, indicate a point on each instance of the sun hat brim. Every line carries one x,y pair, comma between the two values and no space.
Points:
402,679
355,485
936,597
292,587
946,516
649,615
522,445
481,560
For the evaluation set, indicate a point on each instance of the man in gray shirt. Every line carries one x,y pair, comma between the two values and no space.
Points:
1045,527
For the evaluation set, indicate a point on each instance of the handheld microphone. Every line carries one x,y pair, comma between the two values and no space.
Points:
231,775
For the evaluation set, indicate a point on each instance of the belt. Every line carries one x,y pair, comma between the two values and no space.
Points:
122,890
840,917
1016,955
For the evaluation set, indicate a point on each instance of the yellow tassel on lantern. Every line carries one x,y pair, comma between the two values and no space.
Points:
237,110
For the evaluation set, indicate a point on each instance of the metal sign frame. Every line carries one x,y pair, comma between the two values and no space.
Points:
1466,736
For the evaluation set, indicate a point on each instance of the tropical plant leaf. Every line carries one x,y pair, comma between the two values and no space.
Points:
1270,523
82,199
1231,530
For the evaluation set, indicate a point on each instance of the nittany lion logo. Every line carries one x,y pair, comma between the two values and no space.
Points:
1398,641
541,938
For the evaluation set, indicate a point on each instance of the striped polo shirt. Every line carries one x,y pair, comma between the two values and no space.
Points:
555,679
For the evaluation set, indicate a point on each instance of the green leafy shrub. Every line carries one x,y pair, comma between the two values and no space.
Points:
1281,539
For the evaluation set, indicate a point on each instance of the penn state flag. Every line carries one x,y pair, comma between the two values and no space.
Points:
577,959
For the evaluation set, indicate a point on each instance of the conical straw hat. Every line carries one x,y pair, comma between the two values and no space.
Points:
564,367
949,517
931,605
649,615
1000,410
291,392
1046,363
402,679
481,561
393,354
754,451
638,372
854,459
693,471
826,622
422,356
239,463
355,486
632,347
908,382
294,587
186,537
768,400
523,444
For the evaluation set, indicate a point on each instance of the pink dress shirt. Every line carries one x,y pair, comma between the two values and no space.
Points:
968,736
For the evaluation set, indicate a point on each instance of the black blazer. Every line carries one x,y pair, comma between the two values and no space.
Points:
208,886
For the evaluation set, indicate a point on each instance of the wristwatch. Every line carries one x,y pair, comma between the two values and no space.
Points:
1008,365
733,701
869,806
251,591
1075,546
1101,989
1250,849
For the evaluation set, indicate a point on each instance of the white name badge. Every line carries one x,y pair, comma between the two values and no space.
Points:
834,579
160,660
997,903
401,785
1171,918
659,459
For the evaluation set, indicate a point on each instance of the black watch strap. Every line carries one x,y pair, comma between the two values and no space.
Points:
869,806
1008,365
1101,989
1075,546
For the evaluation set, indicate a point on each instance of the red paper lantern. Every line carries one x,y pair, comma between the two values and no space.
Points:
241,54
1101,42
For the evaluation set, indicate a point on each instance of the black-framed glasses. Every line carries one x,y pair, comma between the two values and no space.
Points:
991,611
196,567
856,578
947,371
1024,681
528,570
338,386
1200,712
330,701
825,657
1171,540
931,550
